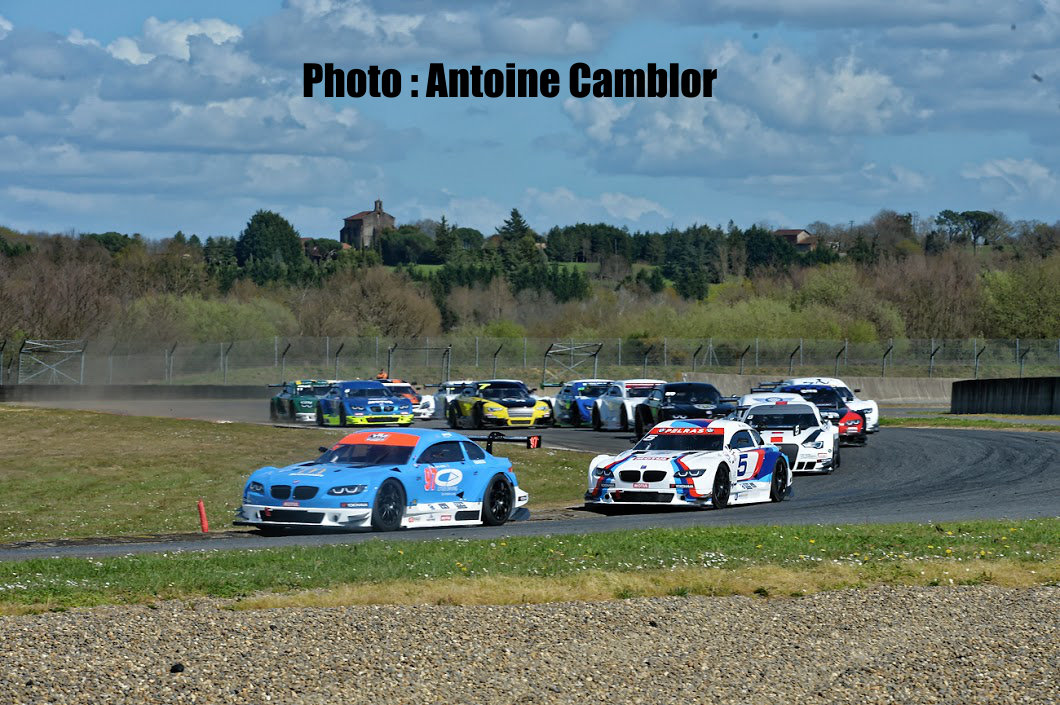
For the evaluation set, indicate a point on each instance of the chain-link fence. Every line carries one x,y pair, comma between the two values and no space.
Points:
429,360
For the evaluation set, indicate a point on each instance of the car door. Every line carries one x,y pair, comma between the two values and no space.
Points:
440,470
610,405
653,404
748,456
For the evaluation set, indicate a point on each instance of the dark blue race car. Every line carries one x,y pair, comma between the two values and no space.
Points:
388,479
363,403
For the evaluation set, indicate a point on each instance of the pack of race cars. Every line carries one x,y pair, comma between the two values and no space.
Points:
693,447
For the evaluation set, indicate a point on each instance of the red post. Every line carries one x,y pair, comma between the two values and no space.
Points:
202,518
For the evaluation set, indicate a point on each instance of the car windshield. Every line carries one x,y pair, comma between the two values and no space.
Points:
694,395
307,390
773,416
503,392
592,390
401,389
845,393
820,397
365,393
681,441
366,454
638,392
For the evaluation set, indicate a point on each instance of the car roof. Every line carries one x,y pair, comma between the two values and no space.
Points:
402,436
806,387
827,381
768,397
725,426
589,381
787,404
640,381
688,385
361,384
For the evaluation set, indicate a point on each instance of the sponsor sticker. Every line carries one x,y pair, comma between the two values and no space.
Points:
429,476
449,478
317,471
640,485
445,517
377,437
354,505
680,431
291,503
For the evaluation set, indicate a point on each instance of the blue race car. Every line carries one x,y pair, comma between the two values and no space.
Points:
574,403
363,403
389,479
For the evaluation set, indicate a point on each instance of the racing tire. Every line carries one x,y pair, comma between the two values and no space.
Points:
273,416
623,421
497,501
477,416
320,415
597,423
389,506
778,486
271,529
835,460
721,489
342,415
639,425
292,415
450,417
575,416
551,417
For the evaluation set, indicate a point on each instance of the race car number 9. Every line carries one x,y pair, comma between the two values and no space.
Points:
533,442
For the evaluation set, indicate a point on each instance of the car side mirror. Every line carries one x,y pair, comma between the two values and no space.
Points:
856,391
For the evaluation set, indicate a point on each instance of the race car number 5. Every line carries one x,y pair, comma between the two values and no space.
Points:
741,468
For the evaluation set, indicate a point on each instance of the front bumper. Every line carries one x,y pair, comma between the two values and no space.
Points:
370,420
265,515
306,416
853,439
517,421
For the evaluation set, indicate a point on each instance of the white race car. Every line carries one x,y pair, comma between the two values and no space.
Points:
869,408
615,408
425,409
809,442
447,392
691,463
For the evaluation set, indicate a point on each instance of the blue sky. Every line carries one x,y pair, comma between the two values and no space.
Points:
157,116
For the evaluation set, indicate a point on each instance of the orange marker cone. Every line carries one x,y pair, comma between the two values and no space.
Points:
202,518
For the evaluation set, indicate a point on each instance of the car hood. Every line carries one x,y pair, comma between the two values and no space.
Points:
652,459
321,474
513,403
363,401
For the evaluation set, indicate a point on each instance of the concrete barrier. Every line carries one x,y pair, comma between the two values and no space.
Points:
78,392
932,391
1029,395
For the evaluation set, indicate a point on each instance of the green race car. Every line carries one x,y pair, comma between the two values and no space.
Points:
297,401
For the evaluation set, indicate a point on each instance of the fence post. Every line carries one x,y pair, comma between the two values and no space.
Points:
745,351
227,350
791,357
169,363
327,349
665,359
931,362
756,354
476,352
801,363
694,356
1021,361
619,352
646,353
1017,349
275,351
341,346
524,352
495,354
283,363
883,371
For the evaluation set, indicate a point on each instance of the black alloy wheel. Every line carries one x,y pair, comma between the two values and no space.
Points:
389,506
320,414
597,423
498,500
778,487
721,489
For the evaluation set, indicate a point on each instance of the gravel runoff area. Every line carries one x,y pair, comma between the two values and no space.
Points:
903,645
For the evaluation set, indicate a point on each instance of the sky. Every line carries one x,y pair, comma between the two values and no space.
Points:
158,116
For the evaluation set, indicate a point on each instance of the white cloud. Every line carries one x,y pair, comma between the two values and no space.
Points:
171,38
1014,178
841,97
5,26
561,205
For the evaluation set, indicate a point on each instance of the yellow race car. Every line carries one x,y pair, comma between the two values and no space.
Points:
503,403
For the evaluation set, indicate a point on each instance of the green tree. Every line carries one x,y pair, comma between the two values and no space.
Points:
269,237
445,242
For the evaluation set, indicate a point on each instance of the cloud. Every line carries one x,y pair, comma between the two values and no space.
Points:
171,38
1014,179
5,26
839,97
561,205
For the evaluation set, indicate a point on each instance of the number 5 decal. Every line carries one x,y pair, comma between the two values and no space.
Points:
741,469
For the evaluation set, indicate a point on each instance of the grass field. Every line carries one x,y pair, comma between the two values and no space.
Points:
965,422
766,561
73,474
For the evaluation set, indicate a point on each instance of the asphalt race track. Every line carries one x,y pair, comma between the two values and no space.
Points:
902,475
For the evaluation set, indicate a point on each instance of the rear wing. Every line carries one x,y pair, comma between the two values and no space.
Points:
766,386
531,442
728,400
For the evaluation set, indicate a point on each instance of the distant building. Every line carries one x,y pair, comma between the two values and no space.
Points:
361,229
802,240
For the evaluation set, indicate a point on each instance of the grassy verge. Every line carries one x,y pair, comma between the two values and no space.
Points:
959,422
70,474
713,561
